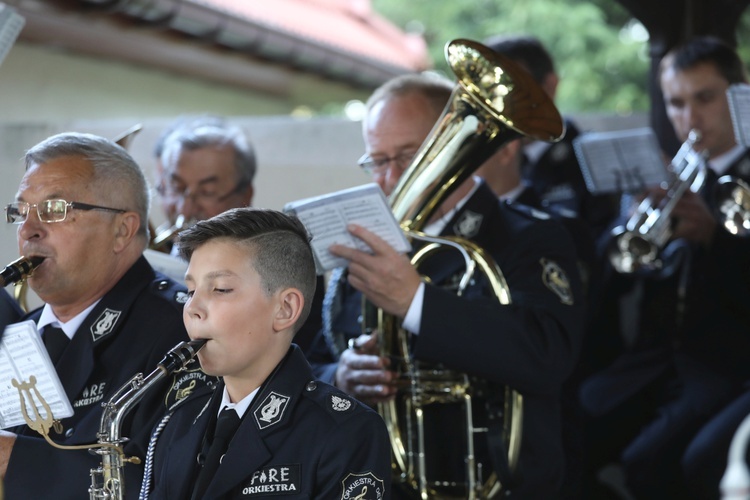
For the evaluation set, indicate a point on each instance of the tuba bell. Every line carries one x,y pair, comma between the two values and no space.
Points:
495,101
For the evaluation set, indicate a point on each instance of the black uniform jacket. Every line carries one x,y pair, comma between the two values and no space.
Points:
320,443
709,325
128,332
557,178
530,345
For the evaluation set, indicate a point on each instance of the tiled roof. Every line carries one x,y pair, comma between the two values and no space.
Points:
339,40
346,25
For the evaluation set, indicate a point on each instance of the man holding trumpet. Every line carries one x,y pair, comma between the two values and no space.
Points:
688,355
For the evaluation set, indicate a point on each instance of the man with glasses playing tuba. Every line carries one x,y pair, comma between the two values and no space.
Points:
82,210
688,357
529,345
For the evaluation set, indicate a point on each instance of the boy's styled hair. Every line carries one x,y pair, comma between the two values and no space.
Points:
279,245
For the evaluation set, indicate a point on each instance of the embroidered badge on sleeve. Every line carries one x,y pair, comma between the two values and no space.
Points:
557,281
362,486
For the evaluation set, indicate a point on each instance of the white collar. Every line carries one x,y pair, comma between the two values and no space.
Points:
721,163
241,406
48,318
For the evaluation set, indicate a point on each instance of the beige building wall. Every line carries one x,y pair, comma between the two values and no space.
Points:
40,83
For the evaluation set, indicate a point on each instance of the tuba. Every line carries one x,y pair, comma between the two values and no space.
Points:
637,245
495,101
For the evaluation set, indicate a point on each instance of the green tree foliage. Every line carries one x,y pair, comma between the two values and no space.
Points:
600,53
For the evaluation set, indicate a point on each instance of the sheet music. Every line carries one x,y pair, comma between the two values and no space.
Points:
620,161
738,96
22,354
11,24
327,216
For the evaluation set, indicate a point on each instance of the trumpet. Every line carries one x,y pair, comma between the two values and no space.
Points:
636,245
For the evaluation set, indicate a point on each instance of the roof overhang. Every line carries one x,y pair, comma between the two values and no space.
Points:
227,41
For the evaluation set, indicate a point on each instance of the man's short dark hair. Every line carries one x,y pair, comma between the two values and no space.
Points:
525,50
279,243
706,49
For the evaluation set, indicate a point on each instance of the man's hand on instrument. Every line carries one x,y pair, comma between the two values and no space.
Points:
385,277
695,222
364,374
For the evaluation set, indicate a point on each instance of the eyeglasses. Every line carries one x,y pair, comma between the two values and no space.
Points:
48,210
203,195
378,166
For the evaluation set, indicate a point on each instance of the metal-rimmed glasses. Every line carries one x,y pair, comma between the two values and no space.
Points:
202,195
49,210
378,166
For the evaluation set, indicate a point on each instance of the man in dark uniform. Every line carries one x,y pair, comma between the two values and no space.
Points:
206,166
552,170
10,311
251,278
529,345
82,206
689,358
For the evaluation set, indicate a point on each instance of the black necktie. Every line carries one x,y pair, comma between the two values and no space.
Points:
226,426
56,341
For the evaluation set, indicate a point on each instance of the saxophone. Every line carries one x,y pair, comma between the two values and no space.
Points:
107,481
18,270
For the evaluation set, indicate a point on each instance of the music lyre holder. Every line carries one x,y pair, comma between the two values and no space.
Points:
30,395
41,424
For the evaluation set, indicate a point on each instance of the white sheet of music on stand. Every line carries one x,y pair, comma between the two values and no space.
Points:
22,354
621,161
11,24
327,216
738,96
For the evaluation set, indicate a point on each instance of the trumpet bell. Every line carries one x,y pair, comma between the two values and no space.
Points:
733,204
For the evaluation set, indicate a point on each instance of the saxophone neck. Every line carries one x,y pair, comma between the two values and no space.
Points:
133,391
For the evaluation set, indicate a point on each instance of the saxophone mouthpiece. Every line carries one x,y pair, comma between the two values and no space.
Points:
197,344
19,270
181,355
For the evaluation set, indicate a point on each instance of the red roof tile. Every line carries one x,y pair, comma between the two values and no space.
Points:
348,25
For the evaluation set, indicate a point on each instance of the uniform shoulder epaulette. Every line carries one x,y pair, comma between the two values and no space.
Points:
333,401
529,212
170,290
